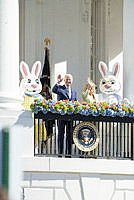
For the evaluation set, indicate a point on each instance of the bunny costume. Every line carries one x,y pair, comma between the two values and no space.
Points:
109,84
30,84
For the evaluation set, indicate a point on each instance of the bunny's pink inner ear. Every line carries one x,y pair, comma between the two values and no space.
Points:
24,70
103,70
116,69
36,70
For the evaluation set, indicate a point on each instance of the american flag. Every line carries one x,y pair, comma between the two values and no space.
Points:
45,77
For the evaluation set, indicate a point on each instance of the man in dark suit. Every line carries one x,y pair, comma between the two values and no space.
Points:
64,92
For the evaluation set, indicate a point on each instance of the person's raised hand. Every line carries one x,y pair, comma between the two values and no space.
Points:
59,79
88,80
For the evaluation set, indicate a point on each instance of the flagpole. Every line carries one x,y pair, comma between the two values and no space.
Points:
46,87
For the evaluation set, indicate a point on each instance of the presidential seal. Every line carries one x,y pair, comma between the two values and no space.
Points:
86,136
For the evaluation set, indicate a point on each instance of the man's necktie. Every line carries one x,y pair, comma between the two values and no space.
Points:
69,92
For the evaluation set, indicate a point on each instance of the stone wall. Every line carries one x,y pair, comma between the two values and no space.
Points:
81,179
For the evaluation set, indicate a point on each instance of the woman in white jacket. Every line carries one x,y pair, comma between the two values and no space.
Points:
89,94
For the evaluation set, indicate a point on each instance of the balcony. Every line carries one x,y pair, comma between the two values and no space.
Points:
116,136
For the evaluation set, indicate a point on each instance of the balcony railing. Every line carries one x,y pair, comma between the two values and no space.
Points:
116,136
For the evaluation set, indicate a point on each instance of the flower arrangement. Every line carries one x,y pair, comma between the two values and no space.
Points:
83,108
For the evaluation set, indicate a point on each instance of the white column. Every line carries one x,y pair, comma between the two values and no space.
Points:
11,113
128,38
9,54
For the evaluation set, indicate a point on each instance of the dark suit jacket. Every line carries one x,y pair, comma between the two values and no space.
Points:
62,93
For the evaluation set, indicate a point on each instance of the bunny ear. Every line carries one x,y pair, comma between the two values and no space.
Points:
36,68
24,69
116,69
102,68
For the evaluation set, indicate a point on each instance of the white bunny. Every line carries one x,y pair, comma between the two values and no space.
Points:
30,84
109,84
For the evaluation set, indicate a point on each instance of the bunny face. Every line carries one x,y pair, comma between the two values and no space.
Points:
109,84
30,83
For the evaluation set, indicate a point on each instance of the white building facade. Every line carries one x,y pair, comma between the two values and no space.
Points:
82,32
